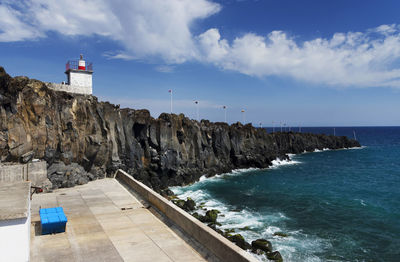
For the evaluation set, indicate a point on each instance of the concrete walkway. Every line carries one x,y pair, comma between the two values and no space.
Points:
105,223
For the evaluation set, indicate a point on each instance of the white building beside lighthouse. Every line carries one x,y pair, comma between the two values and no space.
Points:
79,78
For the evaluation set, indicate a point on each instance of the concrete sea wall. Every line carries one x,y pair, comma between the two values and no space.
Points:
217,244
76,89
36,172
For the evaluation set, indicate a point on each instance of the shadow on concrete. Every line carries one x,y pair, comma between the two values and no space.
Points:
38,228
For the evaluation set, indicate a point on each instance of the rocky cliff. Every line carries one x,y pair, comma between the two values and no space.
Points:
83,139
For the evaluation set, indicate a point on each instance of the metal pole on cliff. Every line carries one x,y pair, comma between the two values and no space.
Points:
224,107
243,116
197,110
170,92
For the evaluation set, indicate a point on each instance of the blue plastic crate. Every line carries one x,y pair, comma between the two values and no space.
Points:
53,220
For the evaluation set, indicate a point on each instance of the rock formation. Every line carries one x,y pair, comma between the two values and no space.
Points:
38,122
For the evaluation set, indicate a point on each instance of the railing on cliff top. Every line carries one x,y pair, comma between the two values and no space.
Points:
74,65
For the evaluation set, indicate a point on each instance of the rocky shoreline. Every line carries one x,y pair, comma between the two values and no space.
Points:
259,247
83,139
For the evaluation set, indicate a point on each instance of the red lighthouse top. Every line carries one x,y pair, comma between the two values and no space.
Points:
81,63
78,65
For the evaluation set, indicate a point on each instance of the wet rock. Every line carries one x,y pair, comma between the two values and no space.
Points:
179,202
280,234
275,256
211,216
189,204
259,252
239,241
196,215
262,244
214,226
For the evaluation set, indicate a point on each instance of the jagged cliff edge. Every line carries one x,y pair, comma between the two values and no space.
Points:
83,139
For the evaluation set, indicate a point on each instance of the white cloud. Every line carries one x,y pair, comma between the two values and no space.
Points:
13,28
165,68
161,30
145,28
351,59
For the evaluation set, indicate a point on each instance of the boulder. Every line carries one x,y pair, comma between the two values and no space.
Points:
179,202
189,204
280,234
275,256
211,216
61,175
262,244
239,241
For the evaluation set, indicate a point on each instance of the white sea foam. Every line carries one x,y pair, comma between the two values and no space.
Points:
271,230
362,202
278,162
356,148
203,179
322,150
252,225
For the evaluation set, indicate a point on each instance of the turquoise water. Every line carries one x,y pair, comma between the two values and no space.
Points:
341,205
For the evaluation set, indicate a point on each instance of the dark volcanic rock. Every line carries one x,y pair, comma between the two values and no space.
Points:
239,240
275,256
210,217
36,122
189,204
179,202
262,244
280,234
62,175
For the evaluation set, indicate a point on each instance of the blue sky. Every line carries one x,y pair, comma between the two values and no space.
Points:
309,63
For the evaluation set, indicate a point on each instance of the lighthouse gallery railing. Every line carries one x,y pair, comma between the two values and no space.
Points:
73,65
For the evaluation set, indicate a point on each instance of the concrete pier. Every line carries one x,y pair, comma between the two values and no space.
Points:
108,223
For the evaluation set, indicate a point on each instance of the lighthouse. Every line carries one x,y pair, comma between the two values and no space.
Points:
79,76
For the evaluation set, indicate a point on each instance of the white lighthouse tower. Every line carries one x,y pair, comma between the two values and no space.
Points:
79,76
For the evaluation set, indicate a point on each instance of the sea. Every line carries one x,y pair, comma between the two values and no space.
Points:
334,205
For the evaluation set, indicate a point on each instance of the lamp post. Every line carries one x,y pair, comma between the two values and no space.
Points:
170,92
243,116
224,107
197,110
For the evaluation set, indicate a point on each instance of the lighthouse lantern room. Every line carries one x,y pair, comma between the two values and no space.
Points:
79,76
